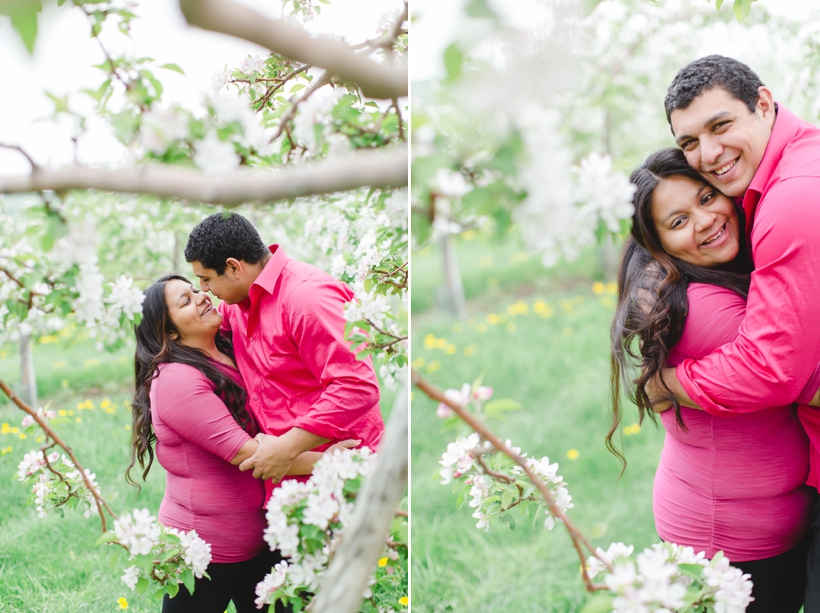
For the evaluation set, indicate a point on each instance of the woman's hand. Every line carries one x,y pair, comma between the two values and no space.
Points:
348,444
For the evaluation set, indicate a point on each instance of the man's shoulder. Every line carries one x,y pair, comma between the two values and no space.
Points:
300,279
801,156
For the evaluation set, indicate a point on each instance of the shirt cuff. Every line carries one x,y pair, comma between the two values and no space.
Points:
684,374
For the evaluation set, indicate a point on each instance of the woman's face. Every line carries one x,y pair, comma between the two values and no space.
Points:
191,312
695,222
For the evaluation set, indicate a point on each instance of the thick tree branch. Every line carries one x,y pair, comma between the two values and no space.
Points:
375,80
363,541
379,169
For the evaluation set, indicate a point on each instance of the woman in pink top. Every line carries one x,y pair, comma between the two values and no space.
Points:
735,485
190,404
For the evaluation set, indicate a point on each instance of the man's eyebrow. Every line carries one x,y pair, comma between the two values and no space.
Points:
706,124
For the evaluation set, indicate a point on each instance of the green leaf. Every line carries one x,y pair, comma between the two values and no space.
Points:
297,87
495,407
691,570
23,15
479,8
718,4
60,104
142,585
106,537
173,67
507,519
188,579
600,603
172,589
453,61
462,496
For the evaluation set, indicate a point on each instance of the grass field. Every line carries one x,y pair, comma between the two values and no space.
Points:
52,566
543,341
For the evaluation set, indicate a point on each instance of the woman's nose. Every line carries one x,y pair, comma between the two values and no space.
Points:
704,221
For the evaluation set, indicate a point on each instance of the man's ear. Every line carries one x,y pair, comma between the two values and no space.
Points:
234,268
765,104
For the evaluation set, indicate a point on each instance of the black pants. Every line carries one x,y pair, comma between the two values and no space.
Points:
812,604
779,582
228,582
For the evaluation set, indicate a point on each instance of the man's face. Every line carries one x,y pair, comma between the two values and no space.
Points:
722,139
224,286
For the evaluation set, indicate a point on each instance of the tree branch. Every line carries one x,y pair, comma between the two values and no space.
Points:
281,36
378,169
363,541
579,541
294,104
21,151
101,504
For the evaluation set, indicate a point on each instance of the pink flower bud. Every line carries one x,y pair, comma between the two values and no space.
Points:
443,410
483,393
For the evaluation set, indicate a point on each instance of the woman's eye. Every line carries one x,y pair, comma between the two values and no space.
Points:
678,222
707,197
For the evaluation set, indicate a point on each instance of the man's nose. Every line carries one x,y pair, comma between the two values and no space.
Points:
710,150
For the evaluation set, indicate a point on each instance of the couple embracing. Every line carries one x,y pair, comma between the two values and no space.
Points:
234,399
717,329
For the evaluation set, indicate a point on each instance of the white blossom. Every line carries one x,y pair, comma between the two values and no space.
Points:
213,156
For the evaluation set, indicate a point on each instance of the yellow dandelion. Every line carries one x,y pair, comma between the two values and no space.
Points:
404,601
511,326
633,429
58,365
457,327
128,427
612,287
122,360
494,319
470,350
450,349
429,341
598,288
91,362
573,454
49,339
70,412
468,235
5,429
518,308
22,436
65,332
544,309
39,439
105,403
123,603
5,450
383,562
433,366
78,419
62,413
15,430
418,363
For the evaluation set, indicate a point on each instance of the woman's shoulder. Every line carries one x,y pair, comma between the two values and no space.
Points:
707,291
177,376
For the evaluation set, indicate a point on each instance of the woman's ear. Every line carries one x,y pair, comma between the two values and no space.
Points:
173,336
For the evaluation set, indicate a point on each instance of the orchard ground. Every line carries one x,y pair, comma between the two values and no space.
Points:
53,566
540,337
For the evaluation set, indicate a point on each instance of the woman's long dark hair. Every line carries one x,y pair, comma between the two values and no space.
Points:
155,347
652,300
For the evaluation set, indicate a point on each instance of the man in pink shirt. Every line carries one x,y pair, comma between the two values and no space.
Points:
748,147
305,385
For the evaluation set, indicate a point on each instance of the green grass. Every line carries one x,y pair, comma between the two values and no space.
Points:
52,566
557,367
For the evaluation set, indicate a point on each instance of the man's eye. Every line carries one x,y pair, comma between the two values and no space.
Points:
689,145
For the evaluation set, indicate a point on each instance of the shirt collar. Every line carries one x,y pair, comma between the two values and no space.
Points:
786,125
266,281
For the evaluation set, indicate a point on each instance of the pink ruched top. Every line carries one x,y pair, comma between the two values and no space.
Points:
734,484
196,439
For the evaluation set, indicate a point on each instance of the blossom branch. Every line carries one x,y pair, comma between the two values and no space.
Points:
101,504
281,36
579,541
291,112
365,168
347,574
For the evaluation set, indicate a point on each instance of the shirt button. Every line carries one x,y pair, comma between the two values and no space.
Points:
250,339
256,397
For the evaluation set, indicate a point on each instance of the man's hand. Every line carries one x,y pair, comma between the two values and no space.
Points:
656,394
272,459
275,455
815,402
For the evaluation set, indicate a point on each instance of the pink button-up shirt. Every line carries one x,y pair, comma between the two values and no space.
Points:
774,359
300,372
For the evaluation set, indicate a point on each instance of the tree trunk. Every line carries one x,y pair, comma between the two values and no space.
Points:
364,539
29,380
453,289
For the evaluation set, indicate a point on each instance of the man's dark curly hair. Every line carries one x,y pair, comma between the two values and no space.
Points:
709,72
221,236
